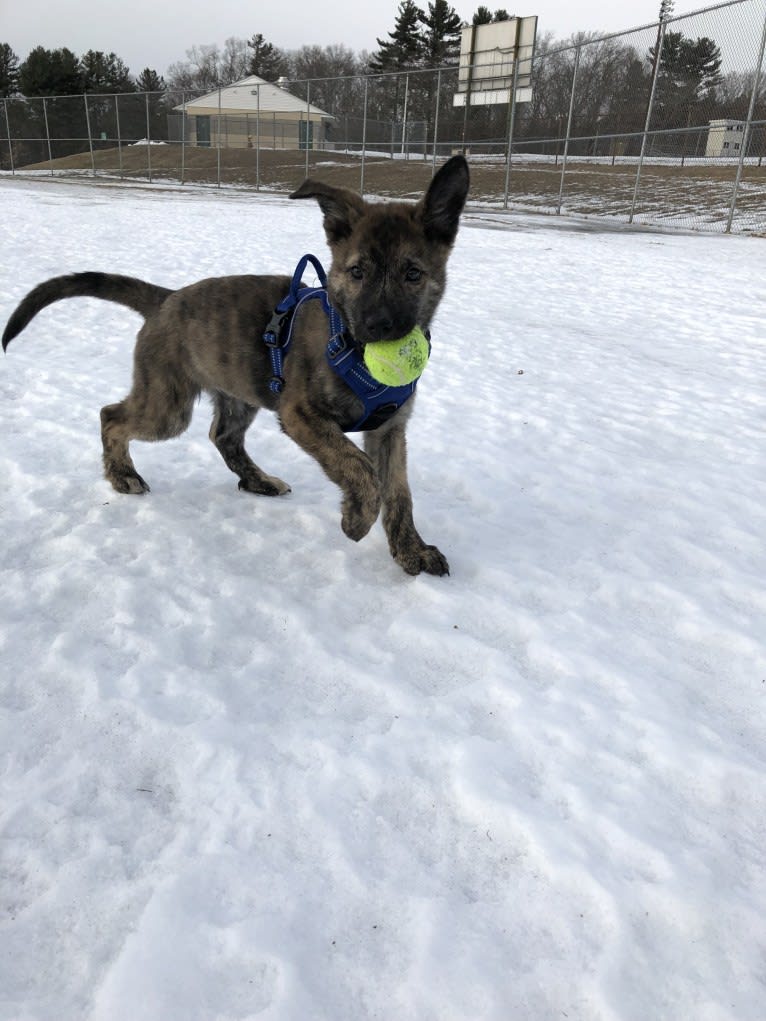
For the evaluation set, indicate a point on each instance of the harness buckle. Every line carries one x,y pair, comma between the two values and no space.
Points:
273,334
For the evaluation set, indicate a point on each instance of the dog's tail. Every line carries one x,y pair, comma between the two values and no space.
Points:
142,297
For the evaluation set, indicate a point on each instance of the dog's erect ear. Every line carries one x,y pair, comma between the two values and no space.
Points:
443,203
341,208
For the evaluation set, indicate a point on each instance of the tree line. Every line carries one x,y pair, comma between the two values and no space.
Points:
613,79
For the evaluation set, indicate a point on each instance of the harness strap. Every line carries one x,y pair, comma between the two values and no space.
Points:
380,400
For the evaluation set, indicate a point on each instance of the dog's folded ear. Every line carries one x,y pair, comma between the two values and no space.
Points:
442,204
341,208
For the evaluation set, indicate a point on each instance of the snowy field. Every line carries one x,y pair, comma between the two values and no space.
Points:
252,770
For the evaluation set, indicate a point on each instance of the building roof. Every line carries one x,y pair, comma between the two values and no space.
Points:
243,96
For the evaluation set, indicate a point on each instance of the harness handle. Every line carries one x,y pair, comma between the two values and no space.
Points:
291,298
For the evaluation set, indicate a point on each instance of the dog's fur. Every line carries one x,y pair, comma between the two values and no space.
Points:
387,276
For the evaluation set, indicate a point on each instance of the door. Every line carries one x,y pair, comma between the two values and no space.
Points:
306,135
203,131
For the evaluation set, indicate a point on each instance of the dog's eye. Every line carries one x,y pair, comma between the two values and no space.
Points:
356,272
413,274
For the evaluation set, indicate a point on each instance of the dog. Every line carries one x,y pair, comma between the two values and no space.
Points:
387,276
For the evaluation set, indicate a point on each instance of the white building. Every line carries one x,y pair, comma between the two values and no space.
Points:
725,138
254,112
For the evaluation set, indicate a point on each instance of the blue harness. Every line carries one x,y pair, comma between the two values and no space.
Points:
343,355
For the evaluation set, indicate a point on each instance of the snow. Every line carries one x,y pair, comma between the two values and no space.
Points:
252,770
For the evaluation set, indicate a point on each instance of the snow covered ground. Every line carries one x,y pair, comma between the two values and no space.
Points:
252,770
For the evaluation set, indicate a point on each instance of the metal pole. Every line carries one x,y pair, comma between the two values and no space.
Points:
748,129
47,132
649,109
119,133
258,138
569,129
364,134
308,123
218,147
436,117
148,139
404,114
90,138
183,138
10,144
467,94
512,124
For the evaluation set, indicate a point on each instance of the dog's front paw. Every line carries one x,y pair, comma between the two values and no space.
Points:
360,512
419,559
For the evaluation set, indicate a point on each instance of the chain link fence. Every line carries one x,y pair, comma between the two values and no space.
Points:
665,124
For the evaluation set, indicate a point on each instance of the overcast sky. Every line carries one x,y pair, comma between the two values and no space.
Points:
157,33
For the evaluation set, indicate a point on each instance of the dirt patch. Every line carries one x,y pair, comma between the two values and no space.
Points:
694,195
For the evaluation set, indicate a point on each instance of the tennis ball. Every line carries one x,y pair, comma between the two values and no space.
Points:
397,362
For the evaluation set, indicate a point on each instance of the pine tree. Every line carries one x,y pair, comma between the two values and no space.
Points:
441,37
50,73
483,16
689,71
104,72
266,60
404,48
150,81
9,71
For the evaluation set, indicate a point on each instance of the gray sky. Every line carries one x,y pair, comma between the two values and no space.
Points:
156,33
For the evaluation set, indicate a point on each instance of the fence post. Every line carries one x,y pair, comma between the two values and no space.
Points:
747,131
569,129
258,138
148,139
436,117
364,133
183,138
119,133
218,140
10,144
649,110
47,132
512,125
404,115
308,122
90,137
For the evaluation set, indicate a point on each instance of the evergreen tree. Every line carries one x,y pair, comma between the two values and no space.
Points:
441,35
50,73
9,71
152,85
104,72
55,73
482,16
266,60
150,81
404,47
689,72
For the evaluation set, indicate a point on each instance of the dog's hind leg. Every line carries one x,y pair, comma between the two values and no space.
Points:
387,450
155,409
230,422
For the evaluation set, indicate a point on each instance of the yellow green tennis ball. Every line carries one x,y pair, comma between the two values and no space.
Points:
397,362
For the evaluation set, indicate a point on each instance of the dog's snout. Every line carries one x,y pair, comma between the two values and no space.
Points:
382,324
379,323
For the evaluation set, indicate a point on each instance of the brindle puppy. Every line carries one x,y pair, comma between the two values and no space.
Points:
387,276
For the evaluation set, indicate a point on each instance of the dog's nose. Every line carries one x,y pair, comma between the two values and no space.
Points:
379,323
